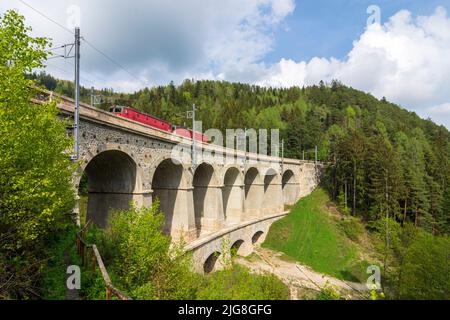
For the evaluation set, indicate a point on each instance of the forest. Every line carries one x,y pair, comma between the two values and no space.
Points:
388,170
387,162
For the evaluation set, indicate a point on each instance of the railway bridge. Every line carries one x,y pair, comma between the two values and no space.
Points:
204,204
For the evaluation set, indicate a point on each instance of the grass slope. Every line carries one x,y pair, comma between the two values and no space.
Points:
313,237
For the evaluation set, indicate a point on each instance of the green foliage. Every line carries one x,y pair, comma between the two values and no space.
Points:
60,251
329,292
93,285
416,262
342,202
375,295
142,262
84,185
390,232
238,283
36,198
309,235
82,203
423,269
388,166
352,227
387,161
142,258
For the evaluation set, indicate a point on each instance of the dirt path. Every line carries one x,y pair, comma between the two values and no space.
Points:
298,278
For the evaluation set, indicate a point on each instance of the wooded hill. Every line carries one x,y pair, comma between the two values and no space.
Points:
388,162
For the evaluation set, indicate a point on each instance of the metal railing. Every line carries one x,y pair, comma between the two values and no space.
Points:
90,257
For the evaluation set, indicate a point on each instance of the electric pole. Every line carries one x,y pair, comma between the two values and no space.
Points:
76,116
194,143
92,96
76,125
246,153
95,98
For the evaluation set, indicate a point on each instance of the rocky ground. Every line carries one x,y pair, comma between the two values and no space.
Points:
303,282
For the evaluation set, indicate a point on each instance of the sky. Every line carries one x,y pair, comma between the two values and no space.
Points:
395,49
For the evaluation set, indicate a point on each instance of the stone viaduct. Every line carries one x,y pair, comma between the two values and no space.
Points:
128,161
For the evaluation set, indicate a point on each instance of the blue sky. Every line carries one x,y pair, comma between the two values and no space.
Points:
405,57
327,28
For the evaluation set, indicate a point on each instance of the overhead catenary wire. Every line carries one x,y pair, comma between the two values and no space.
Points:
115,62
89,74
57,56
47,17
69,73
57,68
56,48
106,56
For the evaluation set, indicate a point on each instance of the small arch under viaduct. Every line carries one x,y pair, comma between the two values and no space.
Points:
126,161
210,252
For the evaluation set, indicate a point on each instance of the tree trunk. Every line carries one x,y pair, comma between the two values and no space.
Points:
335,184
399,285
345,192
354,194
386,243
415,219
386,195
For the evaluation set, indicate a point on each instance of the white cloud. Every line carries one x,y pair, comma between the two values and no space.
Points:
163,40
440,114
406,60
441,109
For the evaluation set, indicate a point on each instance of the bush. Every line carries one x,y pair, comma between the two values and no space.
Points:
329,292
352,227
237,283
142,257
93,286
60,250
424,273
143,263
36,196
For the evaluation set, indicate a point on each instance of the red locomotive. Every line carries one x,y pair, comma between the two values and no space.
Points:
132,114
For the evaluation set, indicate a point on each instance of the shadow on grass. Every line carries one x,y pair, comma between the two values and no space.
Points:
348,276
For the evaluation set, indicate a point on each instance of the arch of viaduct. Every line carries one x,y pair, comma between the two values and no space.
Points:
126,161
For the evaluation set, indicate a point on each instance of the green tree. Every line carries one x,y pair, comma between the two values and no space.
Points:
415,177
142,256
352,150
352,129
383,178
35,170
424,268
238,283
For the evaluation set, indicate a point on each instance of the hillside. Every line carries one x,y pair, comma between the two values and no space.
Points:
385,198
388,162
316,234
